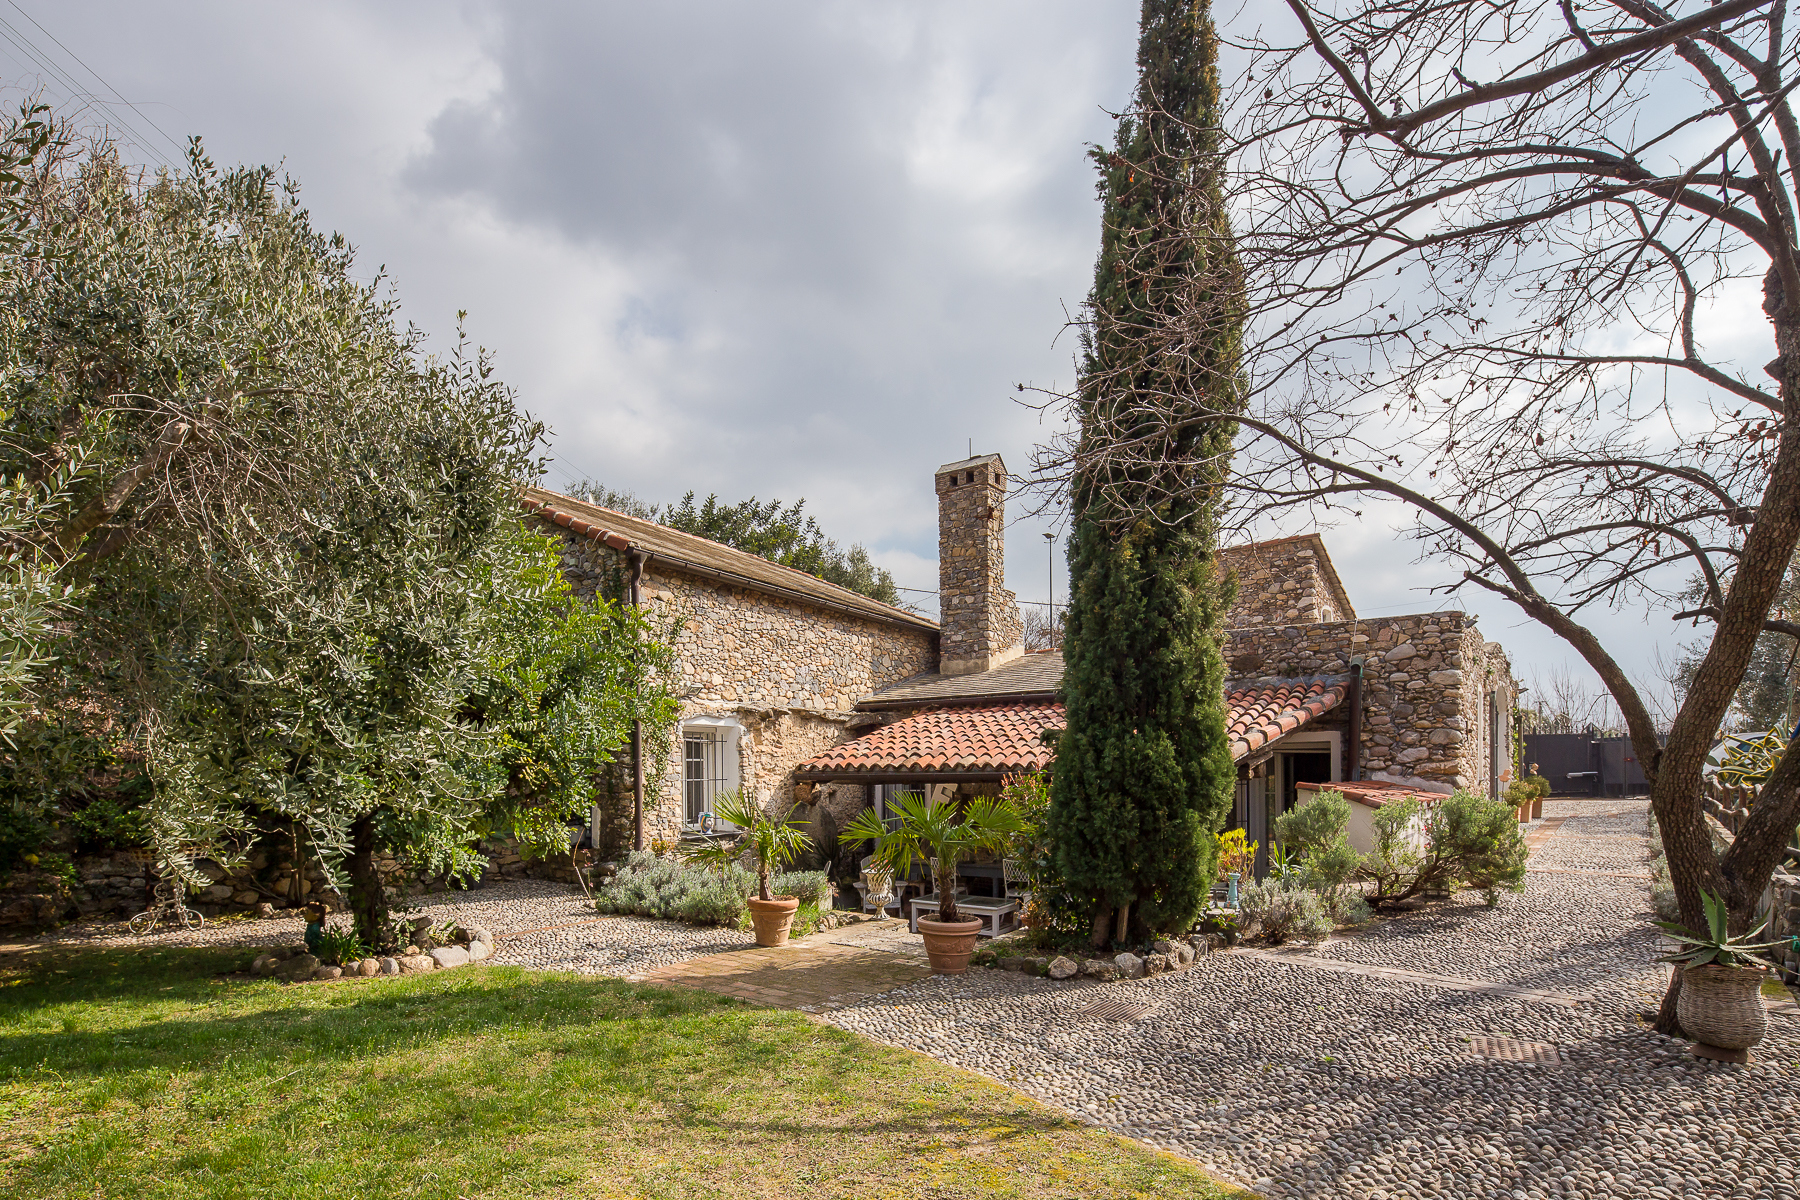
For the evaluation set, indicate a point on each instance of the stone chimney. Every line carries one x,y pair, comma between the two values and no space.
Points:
980,618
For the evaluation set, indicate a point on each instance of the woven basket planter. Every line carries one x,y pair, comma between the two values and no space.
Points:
1722,1006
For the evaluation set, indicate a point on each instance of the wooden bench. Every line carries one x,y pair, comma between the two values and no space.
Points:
989,908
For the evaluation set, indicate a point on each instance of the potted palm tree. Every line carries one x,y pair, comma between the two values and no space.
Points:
934,829
1720,1005
775,845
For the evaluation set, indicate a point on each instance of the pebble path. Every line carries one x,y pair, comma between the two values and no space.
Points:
1312,1083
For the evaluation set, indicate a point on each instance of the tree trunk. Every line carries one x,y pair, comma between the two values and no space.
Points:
368,901
1103,920
1667,1020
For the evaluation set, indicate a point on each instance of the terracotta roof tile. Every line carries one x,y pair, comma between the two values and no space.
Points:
997,738
1005,737
1373,793
1259,711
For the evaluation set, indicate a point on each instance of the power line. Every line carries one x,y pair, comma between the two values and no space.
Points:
62,77
178,147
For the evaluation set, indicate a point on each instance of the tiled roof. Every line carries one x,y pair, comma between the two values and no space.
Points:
1373,793
1003,737
1030,676
1262,710
990,738
678,550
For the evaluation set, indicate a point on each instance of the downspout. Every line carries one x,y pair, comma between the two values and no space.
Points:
635,596
1356,689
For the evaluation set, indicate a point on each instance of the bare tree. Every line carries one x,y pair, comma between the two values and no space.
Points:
1499,258
1043,627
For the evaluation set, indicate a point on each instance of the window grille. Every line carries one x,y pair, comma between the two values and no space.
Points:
707,769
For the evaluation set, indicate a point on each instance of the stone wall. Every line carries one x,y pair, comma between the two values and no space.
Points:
980,617
1289,581
120,885
1425,682
785,673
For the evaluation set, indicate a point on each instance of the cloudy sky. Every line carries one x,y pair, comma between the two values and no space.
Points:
779,249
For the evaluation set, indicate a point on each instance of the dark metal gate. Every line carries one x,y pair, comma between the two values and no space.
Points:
1581,764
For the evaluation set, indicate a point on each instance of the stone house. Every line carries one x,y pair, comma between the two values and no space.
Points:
799,690
770,662
1406,705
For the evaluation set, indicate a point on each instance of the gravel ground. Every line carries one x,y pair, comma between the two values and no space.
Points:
505,908
1308,1083
616,945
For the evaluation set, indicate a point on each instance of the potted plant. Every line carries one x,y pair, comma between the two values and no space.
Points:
935,830
1720,1005
775,845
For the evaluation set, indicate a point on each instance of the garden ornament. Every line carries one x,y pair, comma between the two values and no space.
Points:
315,925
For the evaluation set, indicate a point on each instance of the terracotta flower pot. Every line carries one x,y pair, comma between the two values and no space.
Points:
1722,1006
949,944
772,919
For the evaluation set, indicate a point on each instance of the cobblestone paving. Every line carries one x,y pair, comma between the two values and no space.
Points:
1312,1083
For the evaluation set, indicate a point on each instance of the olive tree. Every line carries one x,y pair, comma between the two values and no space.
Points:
302,583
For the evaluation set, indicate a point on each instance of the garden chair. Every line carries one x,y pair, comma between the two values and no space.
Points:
1015,884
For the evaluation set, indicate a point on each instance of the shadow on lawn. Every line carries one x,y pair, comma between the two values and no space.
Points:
133,1009
129,1021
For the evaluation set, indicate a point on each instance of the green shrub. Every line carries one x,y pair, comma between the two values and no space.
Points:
1320,831
1480,839
1318,822
651,886
1285,912
1348,907
1468,841
806,920
105,823
339,947
811,888
23,831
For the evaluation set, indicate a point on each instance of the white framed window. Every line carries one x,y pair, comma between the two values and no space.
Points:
709,764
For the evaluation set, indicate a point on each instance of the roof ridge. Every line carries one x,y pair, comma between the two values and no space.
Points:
555,505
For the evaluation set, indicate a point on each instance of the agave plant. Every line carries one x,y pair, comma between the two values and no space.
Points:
774,844
935,829
1716,948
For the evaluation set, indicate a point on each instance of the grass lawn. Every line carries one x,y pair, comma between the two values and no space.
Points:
143,1074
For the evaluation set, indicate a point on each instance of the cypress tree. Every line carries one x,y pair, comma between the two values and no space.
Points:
1143,773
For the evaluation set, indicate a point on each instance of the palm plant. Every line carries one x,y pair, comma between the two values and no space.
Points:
775,844
1714,947
935,829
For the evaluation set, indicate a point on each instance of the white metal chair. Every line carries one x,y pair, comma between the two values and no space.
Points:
1015,884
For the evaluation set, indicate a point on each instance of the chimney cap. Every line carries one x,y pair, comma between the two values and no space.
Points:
970,462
